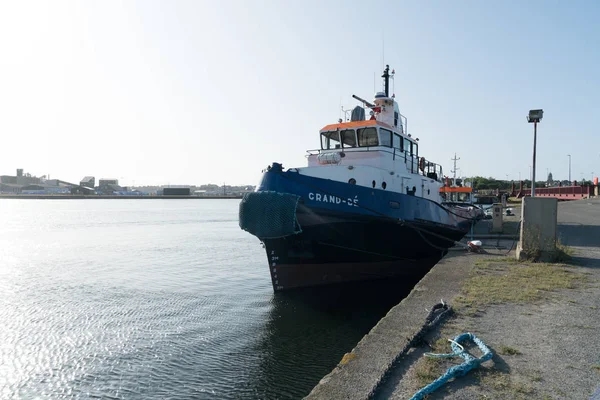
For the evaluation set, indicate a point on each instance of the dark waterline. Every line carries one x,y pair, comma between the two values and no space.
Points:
162,300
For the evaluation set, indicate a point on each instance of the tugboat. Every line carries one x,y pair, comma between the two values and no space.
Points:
367,206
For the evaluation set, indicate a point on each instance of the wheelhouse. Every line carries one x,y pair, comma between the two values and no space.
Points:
457,194
373,135
382,142
350,135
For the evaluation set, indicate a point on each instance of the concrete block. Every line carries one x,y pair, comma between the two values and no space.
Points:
497,218
538,229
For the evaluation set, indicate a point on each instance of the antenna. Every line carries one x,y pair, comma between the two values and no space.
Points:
455,159
382,48
345,112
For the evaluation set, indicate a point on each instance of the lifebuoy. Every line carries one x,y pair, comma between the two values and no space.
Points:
422,164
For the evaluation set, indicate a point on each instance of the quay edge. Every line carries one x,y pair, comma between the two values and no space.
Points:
557,333
375,353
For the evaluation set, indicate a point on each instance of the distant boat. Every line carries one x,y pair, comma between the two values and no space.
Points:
367,205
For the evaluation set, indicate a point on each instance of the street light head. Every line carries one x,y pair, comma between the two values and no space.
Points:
535,115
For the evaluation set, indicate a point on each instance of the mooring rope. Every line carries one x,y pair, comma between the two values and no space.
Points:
437,313
457,370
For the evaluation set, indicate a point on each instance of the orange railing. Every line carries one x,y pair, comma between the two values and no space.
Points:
561,192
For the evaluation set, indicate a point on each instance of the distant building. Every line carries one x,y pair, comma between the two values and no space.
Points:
88,181
176,191
109,188
82,190
105,181
33,187
44,189
28,180
8,179
11,188
13,184
24,183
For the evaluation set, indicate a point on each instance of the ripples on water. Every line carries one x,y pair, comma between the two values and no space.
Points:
161,299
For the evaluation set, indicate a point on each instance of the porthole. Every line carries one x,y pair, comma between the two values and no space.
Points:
374,183
352,181
384,185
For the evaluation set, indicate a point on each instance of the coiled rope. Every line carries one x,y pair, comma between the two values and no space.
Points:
437,313
457,370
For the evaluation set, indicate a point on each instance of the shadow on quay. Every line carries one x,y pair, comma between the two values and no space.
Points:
579,235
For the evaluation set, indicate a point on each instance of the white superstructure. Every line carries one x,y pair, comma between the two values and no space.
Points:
377,153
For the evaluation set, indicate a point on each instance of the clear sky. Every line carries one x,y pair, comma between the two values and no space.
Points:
191,92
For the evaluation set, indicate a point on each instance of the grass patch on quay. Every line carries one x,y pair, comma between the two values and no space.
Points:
428,369
499,281
508,351
506,280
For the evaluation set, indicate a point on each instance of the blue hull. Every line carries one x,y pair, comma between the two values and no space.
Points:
344,232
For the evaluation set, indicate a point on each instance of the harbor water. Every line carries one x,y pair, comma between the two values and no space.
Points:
161,299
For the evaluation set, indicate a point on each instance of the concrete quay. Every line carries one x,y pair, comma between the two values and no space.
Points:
540,320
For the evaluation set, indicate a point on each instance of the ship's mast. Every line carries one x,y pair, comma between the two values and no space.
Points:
455,159
386,80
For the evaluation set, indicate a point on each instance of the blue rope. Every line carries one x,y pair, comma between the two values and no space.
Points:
458,370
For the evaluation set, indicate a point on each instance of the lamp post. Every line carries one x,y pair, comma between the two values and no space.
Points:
534,117
570,168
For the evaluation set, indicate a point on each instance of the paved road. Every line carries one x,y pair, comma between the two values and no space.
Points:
579,223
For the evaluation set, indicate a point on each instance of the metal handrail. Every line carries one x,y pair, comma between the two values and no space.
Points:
430,166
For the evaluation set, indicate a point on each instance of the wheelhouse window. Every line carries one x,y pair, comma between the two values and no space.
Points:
367,137
407,146
397,142
415,149
385,137
348,138
330,140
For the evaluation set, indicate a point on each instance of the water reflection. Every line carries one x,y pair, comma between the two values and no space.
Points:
308,332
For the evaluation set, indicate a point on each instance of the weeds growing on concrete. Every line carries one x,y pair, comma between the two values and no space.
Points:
509,386
560,254
564,254
498,281
508,351
428,369
347,358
